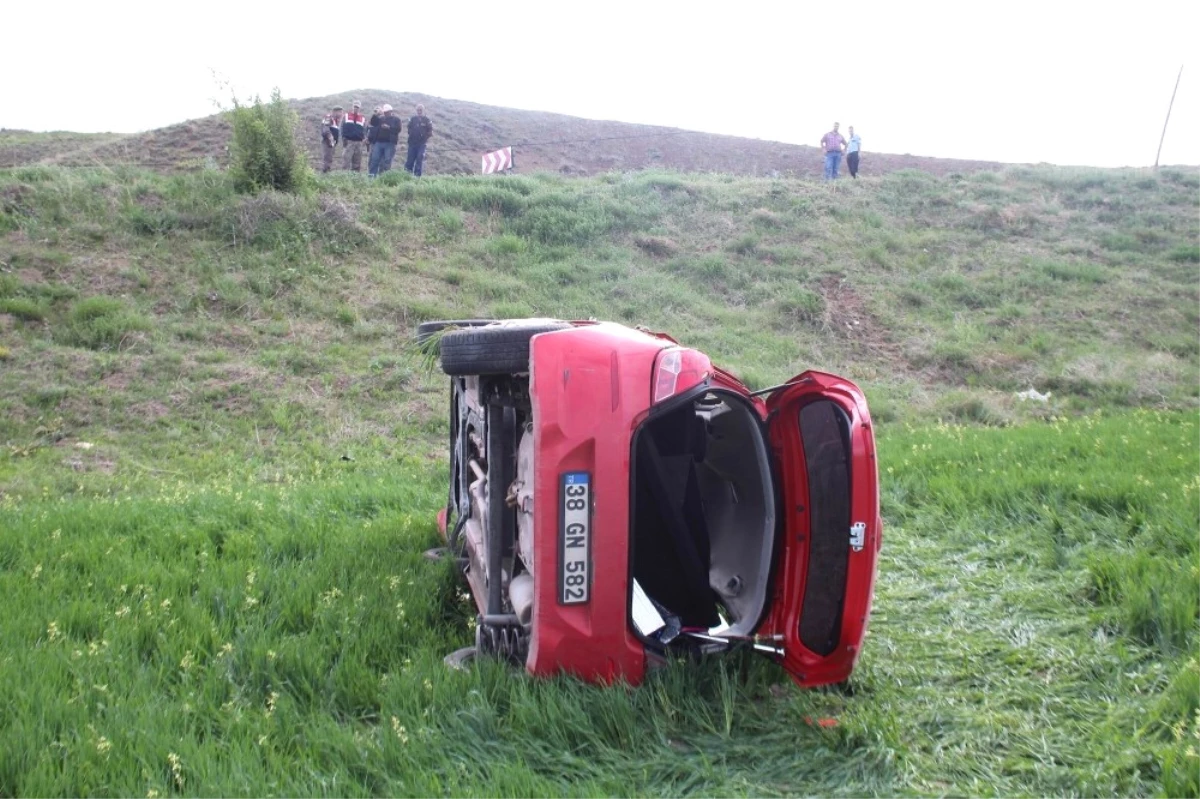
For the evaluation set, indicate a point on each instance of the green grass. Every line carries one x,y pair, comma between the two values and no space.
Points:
282,633
220,459
22,308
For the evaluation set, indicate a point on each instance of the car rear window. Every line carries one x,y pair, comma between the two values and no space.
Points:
825,431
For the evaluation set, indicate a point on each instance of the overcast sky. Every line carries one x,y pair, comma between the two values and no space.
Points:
1064,83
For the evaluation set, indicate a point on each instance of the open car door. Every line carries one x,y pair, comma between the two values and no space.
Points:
823,442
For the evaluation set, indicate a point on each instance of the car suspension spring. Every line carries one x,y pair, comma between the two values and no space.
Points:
504,641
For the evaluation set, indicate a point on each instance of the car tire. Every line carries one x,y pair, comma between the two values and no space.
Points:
425,330
461,659
498,349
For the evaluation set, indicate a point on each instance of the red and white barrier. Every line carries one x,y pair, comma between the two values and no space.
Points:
497,161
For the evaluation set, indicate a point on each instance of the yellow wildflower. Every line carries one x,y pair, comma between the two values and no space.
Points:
176,769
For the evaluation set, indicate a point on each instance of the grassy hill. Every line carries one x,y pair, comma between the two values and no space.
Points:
221,459
542,142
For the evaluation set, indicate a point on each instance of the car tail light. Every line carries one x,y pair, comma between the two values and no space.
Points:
678,370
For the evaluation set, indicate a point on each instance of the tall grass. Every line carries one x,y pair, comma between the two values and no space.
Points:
281,632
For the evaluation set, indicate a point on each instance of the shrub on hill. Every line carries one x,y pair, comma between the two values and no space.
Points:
100,323
264,153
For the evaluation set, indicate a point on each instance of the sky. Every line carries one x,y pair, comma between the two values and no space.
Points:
1067,83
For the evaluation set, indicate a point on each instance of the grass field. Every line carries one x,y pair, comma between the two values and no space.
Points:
222,459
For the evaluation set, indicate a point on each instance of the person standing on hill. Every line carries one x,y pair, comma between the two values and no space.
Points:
330,128
386,135
833,143
853,147
354,130
419,131
372,123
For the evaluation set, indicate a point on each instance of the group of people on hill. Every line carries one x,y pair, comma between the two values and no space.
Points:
834,145
378,136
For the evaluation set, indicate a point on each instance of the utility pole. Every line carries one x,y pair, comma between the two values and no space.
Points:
1168,119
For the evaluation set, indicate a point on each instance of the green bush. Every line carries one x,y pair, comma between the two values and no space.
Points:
555,224
450,221
1120,242
23,308
100,323
151,221
264,153
744,245
1080,273
801,304
506,197
506,244
1185,253
290,226
394,177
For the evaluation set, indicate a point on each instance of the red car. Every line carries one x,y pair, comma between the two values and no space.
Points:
615,497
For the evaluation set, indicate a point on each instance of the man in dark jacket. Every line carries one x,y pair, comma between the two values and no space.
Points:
354,130
385,135
419,131
371,123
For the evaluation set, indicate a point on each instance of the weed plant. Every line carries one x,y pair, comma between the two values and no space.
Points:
264,152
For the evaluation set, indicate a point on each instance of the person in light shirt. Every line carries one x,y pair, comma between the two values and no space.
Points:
853,147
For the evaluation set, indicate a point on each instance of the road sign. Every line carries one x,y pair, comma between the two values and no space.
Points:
497,161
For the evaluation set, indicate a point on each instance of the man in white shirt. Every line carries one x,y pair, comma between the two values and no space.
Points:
852,150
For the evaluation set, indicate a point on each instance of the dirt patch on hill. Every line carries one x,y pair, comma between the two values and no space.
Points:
847,316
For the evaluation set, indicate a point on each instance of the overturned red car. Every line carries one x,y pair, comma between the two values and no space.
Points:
615,497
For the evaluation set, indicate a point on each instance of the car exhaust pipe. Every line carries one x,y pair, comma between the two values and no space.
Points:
520,593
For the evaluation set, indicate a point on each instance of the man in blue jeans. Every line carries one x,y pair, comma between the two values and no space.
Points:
833,144
384,137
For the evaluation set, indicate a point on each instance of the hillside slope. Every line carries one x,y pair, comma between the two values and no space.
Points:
130,301
221,460
464,131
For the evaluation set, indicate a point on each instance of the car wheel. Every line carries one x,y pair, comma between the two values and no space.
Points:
425,330
497,349
461,659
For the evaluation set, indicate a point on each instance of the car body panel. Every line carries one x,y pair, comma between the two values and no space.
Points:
590,389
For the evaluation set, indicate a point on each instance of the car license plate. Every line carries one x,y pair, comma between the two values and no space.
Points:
575,538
